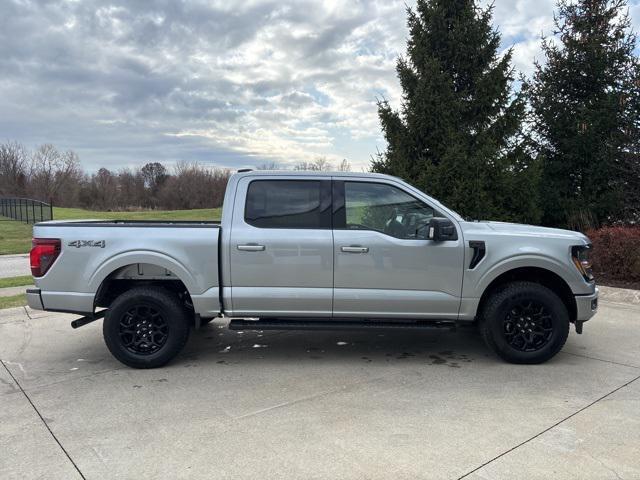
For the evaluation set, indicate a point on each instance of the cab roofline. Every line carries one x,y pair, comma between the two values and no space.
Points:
311,173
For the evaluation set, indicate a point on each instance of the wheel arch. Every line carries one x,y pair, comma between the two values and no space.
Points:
542,276
118,274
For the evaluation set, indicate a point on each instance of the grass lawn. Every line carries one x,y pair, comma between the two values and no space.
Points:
15,237
16,281
14,301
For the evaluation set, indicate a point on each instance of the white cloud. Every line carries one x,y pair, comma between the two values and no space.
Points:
232,83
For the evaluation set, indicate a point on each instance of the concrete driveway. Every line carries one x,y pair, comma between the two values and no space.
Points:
14,265
319,405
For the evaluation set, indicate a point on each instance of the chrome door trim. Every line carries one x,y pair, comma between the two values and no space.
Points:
354,249
251,248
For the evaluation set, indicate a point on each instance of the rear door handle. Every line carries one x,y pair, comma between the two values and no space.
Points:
354,249
251,248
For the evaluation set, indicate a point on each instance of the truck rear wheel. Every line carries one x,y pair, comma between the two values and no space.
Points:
145,327
525,322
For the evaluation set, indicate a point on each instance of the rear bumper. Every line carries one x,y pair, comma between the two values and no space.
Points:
34,300
65,302
586,306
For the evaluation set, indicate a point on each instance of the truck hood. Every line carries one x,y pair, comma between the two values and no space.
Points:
519,229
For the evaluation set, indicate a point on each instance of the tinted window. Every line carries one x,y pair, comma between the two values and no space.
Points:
288,204
384,208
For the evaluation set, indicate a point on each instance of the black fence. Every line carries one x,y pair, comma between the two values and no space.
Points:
26,210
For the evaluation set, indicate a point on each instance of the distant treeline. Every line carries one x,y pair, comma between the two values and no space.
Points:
50,175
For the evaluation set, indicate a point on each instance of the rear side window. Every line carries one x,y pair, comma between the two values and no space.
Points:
288,204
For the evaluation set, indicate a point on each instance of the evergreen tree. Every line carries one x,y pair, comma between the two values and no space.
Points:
458,135
586,101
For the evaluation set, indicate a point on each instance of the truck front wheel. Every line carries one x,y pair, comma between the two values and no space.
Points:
525,322
145,327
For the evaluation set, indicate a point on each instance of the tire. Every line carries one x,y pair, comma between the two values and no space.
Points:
145,327
525,323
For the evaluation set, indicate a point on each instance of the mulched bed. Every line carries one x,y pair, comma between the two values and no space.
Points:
609,282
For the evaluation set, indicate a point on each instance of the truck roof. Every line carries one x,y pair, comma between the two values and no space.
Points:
310,173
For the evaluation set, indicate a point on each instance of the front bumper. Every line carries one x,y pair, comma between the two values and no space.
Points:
586,306
34,300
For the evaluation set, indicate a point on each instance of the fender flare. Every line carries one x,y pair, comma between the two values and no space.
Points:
526,260
143,256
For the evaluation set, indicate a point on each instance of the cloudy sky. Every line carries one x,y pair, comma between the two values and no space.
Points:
221,82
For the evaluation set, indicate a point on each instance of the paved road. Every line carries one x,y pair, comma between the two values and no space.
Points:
14,265
319,405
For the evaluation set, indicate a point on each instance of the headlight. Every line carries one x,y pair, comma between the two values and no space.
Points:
581,256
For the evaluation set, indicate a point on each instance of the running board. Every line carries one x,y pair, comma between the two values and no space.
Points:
283,324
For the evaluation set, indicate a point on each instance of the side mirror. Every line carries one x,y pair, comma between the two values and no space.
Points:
441,229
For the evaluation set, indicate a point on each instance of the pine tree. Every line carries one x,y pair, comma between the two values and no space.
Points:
458,135
586,100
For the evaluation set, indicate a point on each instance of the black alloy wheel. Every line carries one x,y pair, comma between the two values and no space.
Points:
528,326
146,327
143,330
524,322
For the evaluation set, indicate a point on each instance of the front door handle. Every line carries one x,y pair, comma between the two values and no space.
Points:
251,248
354,249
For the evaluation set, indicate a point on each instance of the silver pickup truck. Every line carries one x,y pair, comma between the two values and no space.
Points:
316,251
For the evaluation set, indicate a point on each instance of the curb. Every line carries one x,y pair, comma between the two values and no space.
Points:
619,295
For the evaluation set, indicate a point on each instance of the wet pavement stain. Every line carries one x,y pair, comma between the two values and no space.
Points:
452,360
437,360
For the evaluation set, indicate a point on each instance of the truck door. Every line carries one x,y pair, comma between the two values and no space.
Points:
281,247
382,268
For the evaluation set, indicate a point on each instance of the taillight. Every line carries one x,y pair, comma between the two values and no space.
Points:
43,253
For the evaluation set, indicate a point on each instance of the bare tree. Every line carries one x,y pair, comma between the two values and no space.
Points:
106,186
194,186
13,169
53,175
131,191
269,166
344,166
321,164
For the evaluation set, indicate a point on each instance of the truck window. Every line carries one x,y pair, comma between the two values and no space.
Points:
384,208
288,204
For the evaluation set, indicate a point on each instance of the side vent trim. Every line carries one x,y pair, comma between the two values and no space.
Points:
479,251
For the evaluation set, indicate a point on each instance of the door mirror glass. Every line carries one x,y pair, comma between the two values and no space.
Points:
439,229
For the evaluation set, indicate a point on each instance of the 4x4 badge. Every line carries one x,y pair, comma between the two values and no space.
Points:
87,243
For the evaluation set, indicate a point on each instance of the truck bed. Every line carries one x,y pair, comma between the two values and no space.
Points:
95,251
